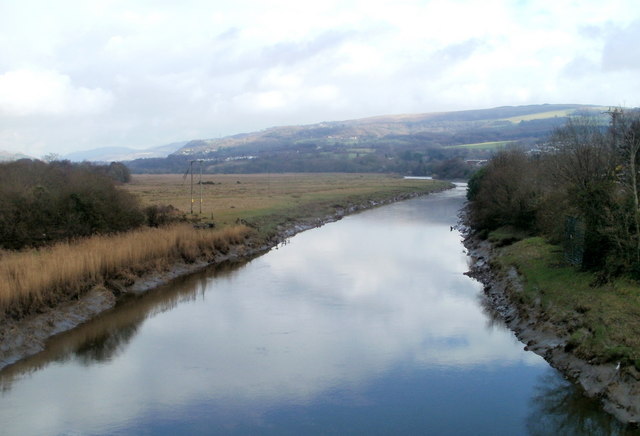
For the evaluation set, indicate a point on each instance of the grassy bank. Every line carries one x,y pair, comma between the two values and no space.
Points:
269,200
602,321
32,280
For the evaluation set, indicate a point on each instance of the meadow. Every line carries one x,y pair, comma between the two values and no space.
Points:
268,200
492,145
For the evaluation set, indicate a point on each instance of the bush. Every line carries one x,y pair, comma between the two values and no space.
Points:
157,216
41,203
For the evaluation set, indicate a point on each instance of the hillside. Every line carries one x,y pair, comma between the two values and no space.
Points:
112,154
7,156
418,144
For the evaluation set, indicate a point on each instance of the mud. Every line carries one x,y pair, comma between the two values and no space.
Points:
618,389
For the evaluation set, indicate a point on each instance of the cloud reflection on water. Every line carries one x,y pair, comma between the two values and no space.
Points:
334,309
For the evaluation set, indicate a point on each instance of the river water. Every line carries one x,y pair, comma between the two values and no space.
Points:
363,326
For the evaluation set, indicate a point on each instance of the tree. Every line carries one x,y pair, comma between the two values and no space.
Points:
119,172
625,130
584,167
505,192
41,203
51,157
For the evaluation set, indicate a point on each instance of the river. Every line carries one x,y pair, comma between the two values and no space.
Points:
363,326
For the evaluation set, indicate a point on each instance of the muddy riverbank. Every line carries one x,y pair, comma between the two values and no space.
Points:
617,388
28,336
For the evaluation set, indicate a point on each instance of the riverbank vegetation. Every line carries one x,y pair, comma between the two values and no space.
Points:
581,191
31,280
41,203
574,210
236,210
601,323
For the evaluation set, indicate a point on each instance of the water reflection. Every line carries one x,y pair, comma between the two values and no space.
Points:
348,327
558,407
105,337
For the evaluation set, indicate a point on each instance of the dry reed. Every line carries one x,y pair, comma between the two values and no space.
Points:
49,274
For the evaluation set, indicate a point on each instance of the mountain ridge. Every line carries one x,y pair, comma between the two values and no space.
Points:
440,144
384,125
115,154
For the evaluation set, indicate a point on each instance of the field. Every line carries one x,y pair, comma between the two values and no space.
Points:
482,145
270,199
540,115
552,114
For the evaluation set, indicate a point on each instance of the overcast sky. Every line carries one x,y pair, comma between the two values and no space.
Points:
77,75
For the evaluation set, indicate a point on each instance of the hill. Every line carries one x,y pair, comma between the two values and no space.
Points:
114,154
417,144
8,156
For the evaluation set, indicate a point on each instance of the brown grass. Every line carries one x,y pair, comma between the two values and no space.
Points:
31,279
228,197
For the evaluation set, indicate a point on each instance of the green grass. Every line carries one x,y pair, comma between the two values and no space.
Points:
602,322
552,114
540,116
506,235
482,145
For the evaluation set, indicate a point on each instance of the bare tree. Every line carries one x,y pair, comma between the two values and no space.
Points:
583,167
625,131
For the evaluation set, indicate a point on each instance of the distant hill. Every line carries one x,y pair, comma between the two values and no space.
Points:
417,144
445,127
120,154
7,156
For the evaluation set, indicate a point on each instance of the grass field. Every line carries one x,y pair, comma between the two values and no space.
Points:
540,116
483,145
267,200
552,114
601,320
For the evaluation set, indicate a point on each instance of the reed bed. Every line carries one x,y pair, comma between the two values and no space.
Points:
32,279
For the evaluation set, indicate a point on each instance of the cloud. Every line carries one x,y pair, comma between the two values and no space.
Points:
154,72
621,49
581,67
26,92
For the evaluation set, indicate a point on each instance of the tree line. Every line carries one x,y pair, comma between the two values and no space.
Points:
41,202
310,158
582,191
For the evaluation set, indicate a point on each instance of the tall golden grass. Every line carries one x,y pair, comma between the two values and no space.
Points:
44,276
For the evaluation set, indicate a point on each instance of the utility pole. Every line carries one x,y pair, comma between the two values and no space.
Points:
200,160
191,169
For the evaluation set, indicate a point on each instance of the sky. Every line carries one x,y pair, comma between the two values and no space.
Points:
77,75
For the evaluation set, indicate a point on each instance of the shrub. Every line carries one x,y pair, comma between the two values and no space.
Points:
41,203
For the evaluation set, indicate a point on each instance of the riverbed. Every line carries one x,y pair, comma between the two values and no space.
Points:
364,326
